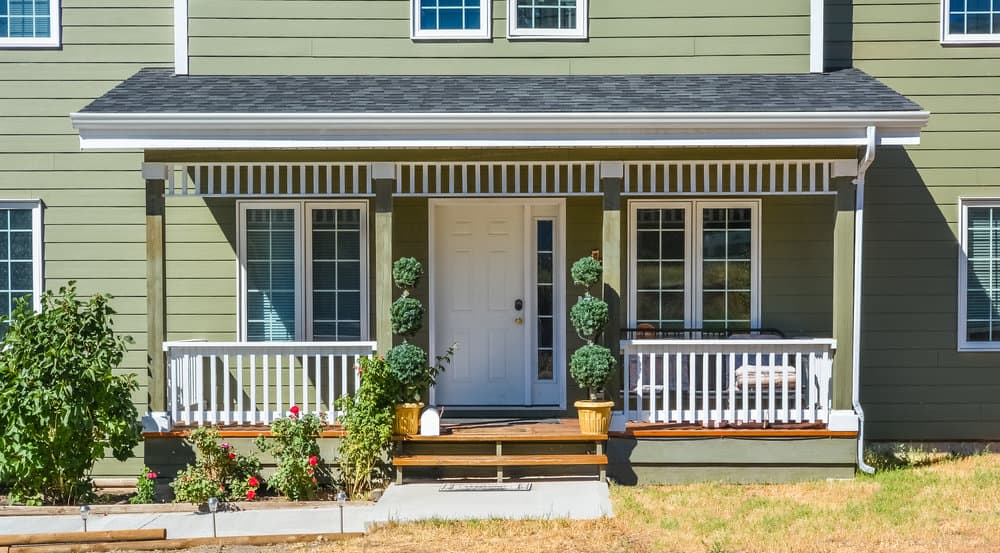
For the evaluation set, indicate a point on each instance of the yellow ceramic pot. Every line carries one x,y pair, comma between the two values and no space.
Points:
407,418
595,416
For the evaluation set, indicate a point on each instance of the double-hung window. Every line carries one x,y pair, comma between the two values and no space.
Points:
20,255
547,18
695,265
970,21
29,23
450,19
303,271
979,276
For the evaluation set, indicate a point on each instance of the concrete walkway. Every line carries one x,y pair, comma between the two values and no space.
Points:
412,502
545,500
196,525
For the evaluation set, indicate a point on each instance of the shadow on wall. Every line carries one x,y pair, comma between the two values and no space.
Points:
838,34
911,374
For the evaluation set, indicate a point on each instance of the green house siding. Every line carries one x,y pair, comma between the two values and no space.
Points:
916,385
94,202
366,36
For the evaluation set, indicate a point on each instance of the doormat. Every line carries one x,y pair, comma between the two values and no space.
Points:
521,487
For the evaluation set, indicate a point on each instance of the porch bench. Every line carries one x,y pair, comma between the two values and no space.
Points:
498,461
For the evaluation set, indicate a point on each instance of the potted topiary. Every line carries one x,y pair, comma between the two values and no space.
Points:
408,362
592,364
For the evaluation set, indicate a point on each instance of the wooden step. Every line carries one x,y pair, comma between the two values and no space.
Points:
498,460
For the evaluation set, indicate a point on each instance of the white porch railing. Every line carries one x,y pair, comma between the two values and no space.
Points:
710,382
257,382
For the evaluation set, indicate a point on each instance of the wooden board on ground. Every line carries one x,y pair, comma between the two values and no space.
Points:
117,536
181,543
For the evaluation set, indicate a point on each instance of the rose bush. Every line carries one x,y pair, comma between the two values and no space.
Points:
218,472
295,447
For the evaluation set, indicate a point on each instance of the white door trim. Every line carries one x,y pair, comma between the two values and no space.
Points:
560,360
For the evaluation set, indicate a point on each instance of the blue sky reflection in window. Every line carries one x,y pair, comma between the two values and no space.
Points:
449,15
25,19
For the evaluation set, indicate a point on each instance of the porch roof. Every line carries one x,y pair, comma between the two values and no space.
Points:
157,109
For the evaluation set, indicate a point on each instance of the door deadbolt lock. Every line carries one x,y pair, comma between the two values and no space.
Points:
518,305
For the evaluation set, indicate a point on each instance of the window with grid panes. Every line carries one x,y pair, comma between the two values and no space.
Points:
29,23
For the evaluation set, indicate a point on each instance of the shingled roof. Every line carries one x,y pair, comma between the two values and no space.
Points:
158,90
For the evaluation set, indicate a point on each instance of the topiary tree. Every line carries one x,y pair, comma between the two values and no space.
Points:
61,404
592,364
408,362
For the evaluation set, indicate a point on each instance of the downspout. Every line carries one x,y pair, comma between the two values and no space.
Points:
859,216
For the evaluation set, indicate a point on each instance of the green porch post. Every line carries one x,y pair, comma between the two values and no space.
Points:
843,295
384,179
155,176
612,180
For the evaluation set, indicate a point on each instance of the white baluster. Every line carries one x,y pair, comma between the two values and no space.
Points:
692,387
652,387
253,384
718,385
319,383
784,388
266,369
187,388
214,392
240,414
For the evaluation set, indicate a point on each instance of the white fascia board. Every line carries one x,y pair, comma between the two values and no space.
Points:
395,130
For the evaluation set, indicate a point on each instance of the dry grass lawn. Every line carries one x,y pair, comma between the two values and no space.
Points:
948,505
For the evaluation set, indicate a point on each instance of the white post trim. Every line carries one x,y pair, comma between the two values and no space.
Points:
181,37
816,38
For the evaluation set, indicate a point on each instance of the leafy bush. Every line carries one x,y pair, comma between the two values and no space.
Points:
586,272
145,487
591,366
408,364
295,447
61,405
588,316
407,315
367,420
406,272
218,472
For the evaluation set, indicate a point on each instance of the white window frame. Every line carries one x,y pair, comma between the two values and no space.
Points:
949,38
693,260
577,33
37,246
54,40
963,274
484,32
303,255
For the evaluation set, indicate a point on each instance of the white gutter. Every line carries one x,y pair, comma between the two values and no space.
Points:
450,130
859,216
816,22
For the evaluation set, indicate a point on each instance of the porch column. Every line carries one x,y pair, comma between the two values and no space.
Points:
843,295
384,179
155,175
612,181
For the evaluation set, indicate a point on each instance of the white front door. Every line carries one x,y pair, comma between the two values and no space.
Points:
479,302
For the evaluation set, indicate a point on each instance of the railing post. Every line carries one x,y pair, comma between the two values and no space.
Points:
843,295
612,178
384,178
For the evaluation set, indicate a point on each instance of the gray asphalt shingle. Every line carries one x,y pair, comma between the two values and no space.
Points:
158,90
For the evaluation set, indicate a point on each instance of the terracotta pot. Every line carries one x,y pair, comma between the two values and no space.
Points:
595,416
407,418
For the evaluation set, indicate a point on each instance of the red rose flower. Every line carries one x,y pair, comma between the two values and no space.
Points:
314,479
294,410
151,475
313,460
251,495
310,470
232,456
253,482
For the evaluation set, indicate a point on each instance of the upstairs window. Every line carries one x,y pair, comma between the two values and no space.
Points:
547,18
450,19
29,23
970,21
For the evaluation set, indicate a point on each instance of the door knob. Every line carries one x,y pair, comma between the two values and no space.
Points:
518,321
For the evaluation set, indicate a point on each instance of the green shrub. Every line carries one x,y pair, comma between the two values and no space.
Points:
586,272
295,447
588,316
406,272
408,364
591,366
218,472
145,487
407,315
61,405
367,420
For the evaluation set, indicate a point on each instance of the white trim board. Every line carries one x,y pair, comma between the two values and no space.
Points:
468,130
817,59
181,60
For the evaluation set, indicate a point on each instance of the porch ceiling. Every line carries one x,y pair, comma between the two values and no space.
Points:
155,109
